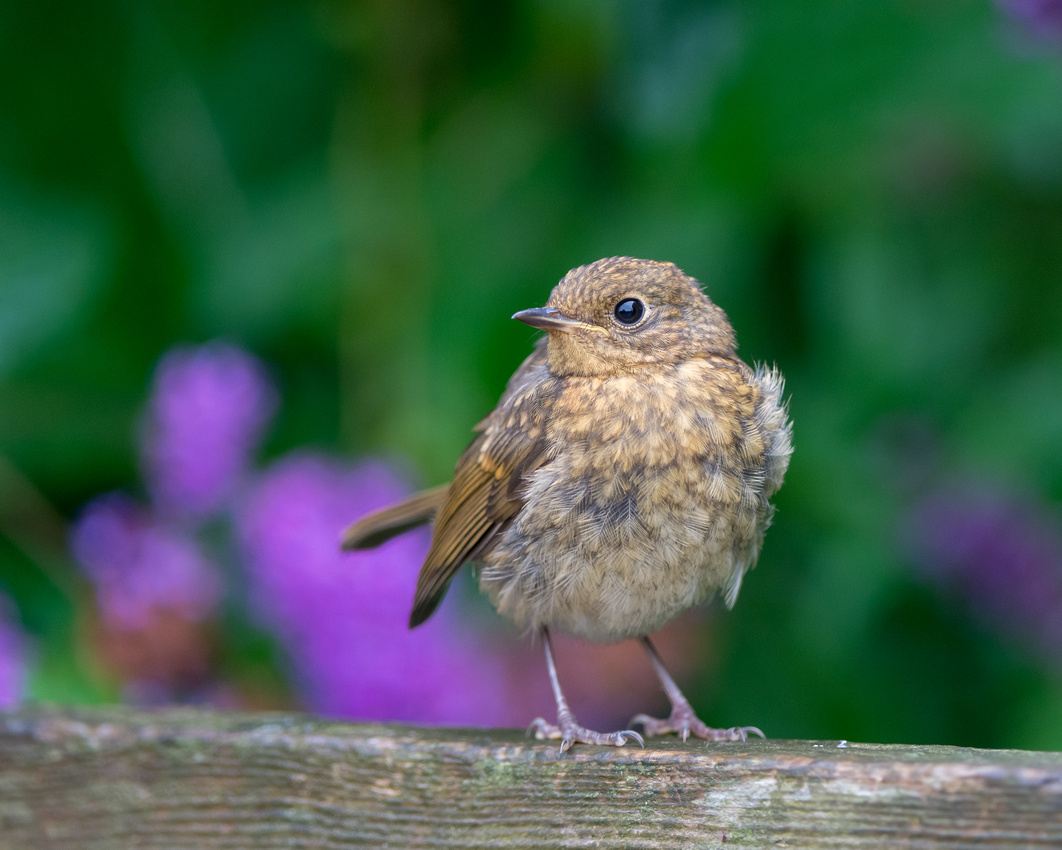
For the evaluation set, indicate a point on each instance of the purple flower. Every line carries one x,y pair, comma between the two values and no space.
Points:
342,617
1002,552
208,408
138,563
12,657
1042,18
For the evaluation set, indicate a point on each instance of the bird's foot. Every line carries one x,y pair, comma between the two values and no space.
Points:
569,732
685,722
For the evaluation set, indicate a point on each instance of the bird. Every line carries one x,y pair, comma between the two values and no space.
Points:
624,476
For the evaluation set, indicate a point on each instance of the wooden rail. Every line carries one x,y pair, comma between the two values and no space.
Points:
116,778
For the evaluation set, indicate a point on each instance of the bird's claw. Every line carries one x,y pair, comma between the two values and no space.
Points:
685,722
569,732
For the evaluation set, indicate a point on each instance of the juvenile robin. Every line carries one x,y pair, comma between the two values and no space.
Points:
623,477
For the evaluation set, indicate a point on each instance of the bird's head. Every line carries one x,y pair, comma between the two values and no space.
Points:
621,313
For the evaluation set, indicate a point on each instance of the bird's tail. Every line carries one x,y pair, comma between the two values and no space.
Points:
381,526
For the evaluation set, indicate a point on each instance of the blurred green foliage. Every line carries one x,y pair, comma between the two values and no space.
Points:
363,192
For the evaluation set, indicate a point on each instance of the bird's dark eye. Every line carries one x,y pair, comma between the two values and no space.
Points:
629,311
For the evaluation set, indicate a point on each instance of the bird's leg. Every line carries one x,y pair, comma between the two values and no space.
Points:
566,728
682,719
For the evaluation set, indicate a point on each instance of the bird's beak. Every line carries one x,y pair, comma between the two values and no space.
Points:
552,319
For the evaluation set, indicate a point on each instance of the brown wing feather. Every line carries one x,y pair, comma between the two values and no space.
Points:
485,493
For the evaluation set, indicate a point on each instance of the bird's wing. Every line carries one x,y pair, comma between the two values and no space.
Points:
486,492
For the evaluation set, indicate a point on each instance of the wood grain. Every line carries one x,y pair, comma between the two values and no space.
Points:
118,778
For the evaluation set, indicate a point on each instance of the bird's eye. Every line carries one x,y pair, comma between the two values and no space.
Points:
629,311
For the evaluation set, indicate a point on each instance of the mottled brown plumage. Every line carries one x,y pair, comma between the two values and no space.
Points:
623,477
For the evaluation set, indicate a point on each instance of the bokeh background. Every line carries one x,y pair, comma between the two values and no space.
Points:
256,267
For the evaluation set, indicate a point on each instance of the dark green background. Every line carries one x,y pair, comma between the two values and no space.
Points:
362,193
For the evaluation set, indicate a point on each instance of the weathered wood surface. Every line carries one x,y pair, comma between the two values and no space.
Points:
115,778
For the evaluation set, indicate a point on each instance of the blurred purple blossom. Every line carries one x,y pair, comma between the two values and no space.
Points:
342,617
1042,18
138,563
12,657
208,408
1002,552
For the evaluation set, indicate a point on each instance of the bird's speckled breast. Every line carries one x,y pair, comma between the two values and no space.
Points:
654,498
